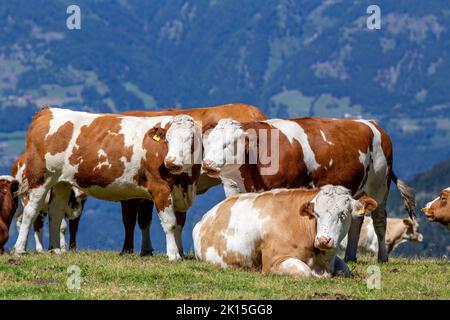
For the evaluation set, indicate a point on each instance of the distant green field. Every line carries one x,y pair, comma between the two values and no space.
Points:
106,275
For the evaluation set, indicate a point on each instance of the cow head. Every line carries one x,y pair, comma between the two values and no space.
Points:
221,147
8,205
439,209
333,208
184,144
411,231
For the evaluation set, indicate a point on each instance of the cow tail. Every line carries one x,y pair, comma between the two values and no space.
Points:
408,195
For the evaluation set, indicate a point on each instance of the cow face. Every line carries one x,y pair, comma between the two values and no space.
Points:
184,144
8,205
411,232
439,209
222,147
333,208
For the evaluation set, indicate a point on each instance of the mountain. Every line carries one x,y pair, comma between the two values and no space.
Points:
291,58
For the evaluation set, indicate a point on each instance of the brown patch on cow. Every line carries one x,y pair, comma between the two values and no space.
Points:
211,231
36,148
345,139
104,134
59,141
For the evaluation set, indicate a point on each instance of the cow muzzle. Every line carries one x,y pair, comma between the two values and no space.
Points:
174,168
211,168
324,243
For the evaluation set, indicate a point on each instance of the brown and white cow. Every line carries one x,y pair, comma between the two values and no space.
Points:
438,210
282,231
398,231
309,152
73,211
110,157
140,210
8,205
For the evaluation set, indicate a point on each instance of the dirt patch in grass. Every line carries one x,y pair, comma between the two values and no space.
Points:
43,282
16,261
329,296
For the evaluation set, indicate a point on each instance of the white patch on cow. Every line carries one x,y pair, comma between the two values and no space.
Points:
7,178
102,154
376,185
293,131
325,138
300,266
213,257
330,163
245,228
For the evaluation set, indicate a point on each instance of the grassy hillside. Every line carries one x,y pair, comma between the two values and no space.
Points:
110,276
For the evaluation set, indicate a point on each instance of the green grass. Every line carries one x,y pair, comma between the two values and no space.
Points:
106,275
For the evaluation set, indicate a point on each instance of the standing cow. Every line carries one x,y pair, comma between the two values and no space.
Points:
398,231
309,152
8,205
73,211
438,210
283,231
141,209
110,157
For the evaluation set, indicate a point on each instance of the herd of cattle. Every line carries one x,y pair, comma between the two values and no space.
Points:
293,220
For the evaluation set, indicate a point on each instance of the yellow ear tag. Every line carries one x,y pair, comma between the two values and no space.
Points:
362,211
156,137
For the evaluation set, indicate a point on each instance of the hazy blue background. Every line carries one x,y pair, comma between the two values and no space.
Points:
290,58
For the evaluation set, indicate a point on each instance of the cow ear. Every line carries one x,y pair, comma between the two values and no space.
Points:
366,204
408,222
157,133
307,209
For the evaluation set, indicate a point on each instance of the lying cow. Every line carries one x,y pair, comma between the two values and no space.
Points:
309,152
8,205
110,157
73,211
141,210
398,231
438,210
283,231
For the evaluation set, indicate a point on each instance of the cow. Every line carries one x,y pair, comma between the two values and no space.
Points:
398,231
282,231
73,211
111,157
140,210
438,210
309,152
8,205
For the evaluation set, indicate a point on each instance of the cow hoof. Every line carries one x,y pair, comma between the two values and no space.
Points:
18,253
174,257
56,251
123,253
146,253
40,250
383,260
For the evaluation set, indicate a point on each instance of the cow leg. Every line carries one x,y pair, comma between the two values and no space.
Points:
353,238
181,220
38,227
56,213
379,223
145,221
73,230
62,235
292,267
36,200
166,213
129,215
